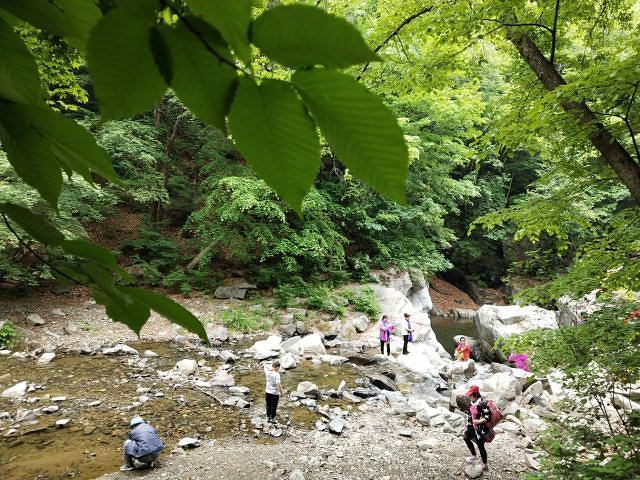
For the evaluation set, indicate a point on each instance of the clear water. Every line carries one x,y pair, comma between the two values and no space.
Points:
446,328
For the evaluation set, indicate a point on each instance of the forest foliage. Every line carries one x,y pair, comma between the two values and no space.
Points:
276,168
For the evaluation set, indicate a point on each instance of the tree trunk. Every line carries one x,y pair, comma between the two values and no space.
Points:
202,253
612,151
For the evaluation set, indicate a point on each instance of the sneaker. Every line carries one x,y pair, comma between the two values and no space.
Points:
471,459
485,466
126,468
273,420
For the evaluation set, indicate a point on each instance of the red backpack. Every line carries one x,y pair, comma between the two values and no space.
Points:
496,415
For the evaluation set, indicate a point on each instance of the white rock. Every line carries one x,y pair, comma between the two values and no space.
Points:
309,389
337,425
150,353
188,442
186,366
240,390
223,379
46,358
296,475
333,359
51,409
34,320
63,422
427,444
473,471
120,349
23,415
494,321
58,312
311,344
58,399
535,389
288,361
17,391
5,353
202,384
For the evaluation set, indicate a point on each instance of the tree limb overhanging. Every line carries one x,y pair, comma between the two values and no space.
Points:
612,151
395,32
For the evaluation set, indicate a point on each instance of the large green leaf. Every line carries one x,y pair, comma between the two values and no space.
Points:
203,82
274,133
71,19
35,225
231,18
122,308
39,141
19,79
361,130
301,36
89,251
169,309
125,76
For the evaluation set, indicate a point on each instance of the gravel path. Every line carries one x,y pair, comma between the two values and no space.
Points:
370,448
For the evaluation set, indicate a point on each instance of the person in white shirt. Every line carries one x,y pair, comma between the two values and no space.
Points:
407,333
273,389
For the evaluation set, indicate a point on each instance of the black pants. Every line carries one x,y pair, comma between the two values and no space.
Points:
272,404
382,344
405,344
470,437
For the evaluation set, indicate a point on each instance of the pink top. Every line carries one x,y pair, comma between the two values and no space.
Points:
385,329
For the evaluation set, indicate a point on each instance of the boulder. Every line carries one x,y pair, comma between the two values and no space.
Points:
23,415
308,389
331,329
17,391
149,353
228,356
398,280
34,320
222,378
301,328
288,361
186,366
382,381
333,359
288,330
218,333
287,319
504,385
234,291
535,389
120,349
571,312
46,358
268,348
464,313
311,344
70,328
466,368
493,322
473,470
336,425
358,321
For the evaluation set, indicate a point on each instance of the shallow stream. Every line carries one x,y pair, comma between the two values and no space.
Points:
91,444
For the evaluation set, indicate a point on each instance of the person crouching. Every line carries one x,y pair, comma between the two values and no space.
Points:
143,445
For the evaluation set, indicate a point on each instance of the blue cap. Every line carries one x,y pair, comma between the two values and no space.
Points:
136,421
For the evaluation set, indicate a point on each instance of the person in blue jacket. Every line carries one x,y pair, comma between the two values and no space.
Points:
143,444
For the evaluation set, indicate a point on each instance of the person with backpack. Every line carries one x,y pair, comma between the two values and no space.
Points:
386,329
143,444
479,426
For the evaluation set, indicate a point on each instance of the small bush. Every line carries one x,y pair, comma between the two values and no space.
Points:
319,298
284,295
243,321
8,335
364,301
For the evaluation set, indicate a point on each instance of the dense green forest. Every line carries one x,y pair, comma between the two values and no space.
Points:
502,184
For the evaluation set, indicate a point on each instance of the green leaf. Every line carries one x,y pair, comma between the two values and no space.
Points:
122,308
231,18
276,136
361,130
125,76
203,82
166,307
84,249
301,36
19,79
35,225
38,141
70,19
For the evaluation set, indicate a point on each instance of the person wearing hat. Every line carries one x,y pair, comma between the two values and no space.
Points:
477,432
143,444
407,333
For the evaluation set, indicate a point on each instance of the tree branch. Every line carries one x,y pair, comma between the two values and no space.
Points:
33,252
554,33
395,32
538,25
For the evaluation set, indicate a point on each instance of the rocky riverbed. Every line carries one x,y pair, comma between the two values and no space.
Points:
348,412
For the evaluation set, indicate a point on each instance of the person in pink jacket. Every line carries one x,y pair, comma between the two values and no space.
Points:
386,329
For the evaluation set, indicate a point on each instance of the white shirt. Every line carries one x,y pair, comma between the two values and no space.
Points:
405,327
273,380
